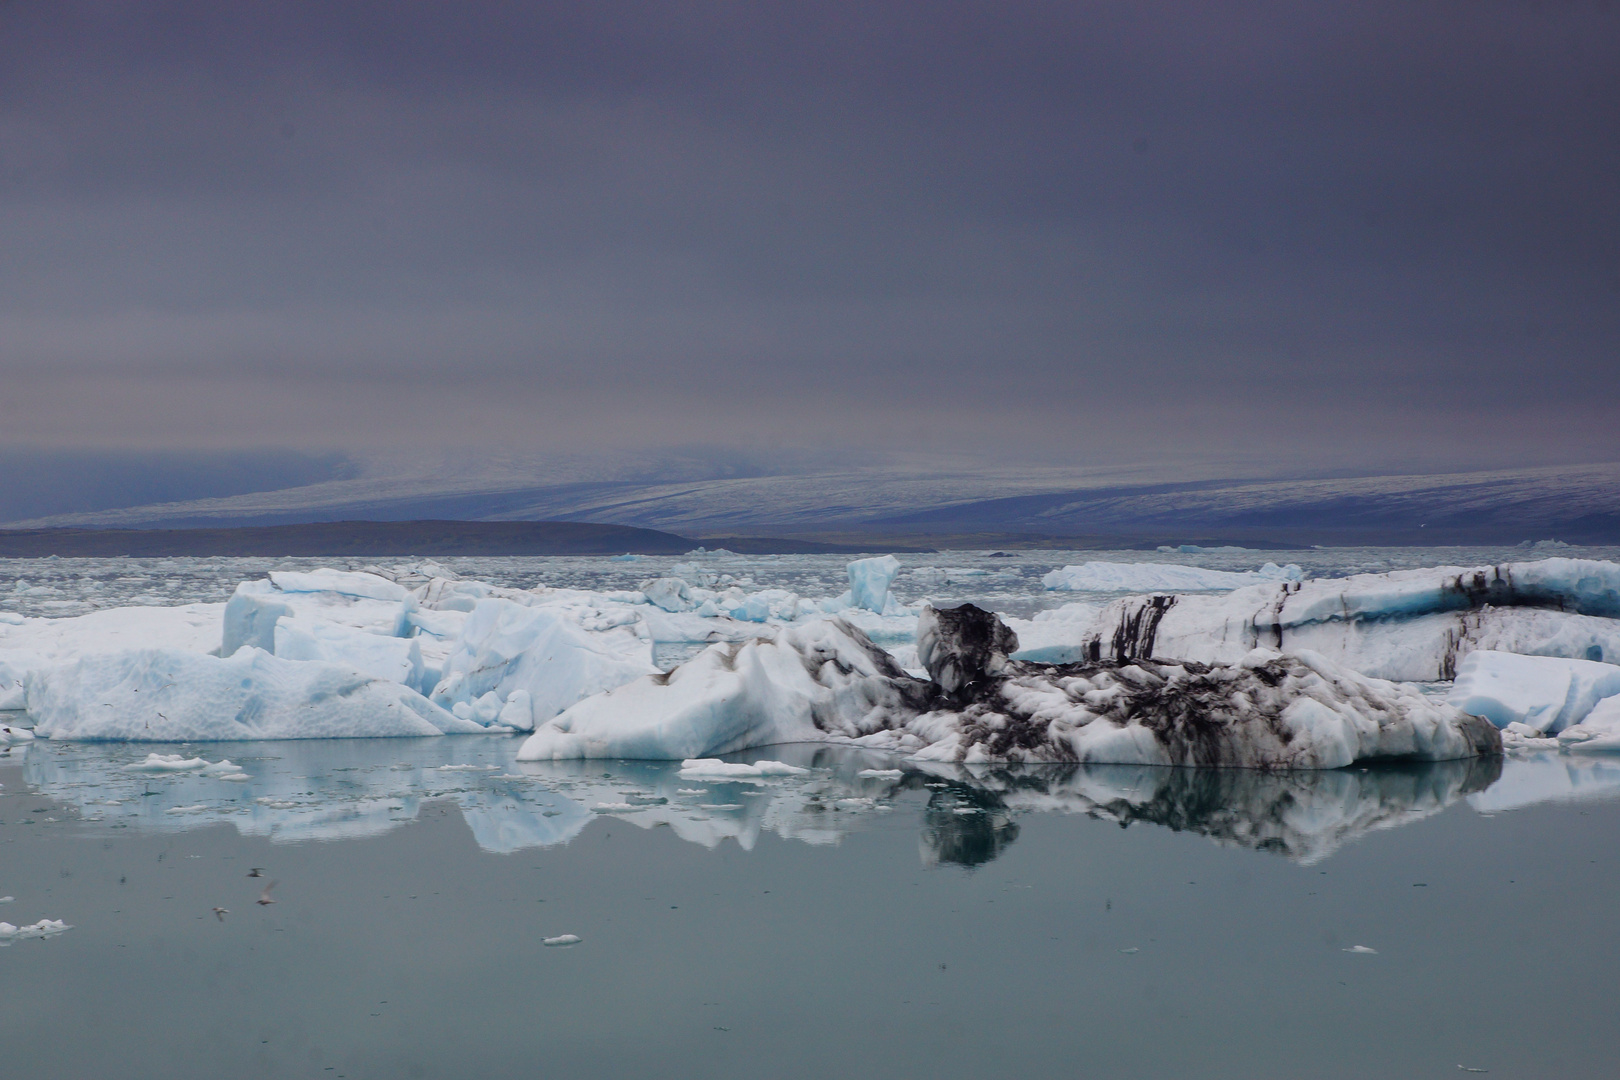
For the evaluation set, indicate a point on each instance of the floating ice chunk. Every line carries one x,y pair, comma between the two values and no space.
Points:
1362,950
199,808
164,695
881,774
1161,577
869,581
7,899
42,929
10,734
561,939
1543,692
715,769
627,557
167,763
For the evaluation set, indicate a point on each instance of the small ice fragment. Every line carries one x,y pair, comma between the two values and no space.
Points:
881,774
7,899
562,939
1130,950
43,928
1362,950
1465,1068
720,806
167,763
614,807
186,809
692,791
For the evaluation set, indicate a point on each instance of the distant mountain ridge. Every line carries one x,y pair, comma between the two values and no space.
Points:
1577,504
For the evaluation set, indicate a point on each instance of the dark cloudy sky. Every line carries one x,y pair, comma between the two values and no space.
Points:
1335,234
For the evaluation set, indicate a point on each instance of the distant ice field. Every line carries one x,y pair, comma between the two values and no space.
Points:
1010,582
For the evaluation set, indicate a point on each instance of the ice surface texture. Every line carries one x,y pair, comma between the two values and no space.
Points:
828,682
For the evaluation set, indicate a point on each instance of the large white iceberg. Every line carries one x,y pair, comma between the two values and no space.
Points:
166,695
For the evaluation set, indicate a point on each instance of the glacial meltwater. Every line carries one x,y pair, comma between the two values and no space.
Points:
434,907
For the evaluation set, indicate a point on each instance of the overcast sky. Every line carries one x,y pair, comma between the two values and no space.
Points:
1346,235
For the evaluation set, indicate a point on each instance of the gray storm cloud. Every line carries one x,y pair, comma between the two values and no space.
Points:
1344,235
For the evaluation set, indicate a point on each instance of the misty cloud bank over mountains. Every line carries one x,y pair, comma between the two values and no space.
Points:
1373,237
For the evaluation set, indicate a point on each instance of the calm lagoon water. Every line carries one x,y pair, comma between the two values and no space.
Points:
1061,921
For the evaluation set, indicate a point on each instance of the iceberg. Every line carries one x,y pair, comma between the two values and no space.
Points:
1161,577
1405,625
826,681
505,648
869,581
166,695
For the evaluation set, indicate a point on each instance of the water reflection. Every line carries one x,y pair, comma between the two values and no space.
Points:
329,790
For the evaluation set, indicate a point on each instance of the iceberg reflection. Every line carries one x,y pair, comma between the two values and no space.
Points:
966,815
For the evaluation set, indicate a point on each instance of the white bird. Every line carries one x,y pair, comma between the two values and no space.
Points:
220,913
264,897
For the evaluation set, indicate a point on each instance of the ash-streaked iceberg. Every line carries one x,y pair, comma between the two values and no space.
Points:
828,682
1406,625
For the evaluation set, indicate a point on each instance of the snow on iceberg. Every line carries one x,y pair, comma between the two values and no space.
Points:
166,695
1161,577
826,681
506,648
1406,625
